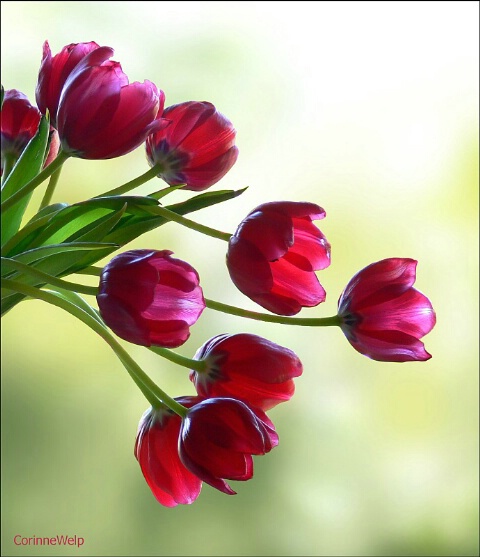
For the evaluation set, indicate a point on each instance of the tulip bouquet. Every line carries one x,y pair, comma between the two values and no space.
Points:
86,108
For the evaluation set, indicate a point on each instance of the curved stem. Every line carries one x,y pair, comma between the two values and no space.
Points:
154,394
284,320
142,179
172,216
49,279
197,365
35,182
52,184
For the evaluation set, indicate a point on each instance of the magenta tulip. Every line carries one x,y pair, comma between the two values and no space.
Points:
100,115
218,438
247,367
149,298
383,316
156,449
273,256
197,147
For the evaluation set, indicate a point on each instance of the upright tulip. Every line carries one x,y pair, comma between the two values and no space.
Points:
19,123
274,252
149,298
156,449
100,115
53,74
383,316
197,147
247,367
218,437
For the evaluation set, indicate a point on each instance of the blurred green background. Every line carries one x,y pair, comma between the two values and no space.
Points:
369,109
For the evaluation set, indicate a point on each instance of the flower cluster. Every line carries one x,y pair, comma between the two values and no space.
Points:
87,108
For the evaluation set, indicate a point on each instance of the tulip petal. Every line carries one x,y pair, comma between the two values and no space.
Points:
389,346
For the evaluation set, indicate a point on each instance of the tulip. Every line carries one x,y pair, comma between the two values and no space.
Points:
100,115
247,367
156,451
149,298
383,316
197,147
218,437
274,252
19,123
53,74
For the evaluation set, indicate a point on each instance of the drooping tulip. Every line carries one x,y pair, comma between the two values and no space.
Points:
218,437
196,148
247,367
156,449
149,298
383,316
274,253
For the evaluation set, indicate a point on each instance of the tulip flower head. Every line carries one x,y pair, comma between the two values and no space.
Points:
19,123
149,298
197,147
247,367
218,438
383,316
97,112
156,450
274,253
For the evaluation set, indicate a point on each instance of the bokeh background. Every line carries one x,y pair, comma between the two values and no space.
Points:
369,109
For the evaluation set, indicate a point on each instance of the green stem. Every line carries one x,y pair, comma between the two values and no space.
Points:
154,394
9,161
172,216
197,365
49,279
36,181
284,320
152,173
52,184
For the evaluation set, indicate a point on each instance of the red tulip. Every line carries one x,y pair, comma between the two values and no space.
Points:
149,298
247,367
19,124
383,317
197,148
157,453
100,115
218,438
273,254
54,72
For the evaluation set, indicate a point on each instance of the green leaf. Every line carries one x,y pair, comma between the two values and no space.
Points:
146,220
67,224
56,260
203,200
43,252
26,168
61,240
30,230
